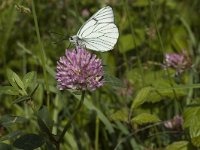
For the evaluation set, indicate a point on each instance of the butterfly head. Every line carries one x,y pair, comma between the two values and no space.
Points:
73,39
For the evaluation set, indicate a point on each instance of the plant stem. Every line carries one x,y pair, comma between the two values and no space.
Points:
97,134
72,118
163,51
42,52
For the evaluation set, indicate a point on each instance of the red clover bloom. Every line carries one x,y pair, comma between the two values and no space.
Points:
175,123
179,62
79,70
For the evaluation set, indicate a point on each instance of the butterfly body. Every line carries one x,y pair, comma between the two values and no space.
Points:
77,41
99,33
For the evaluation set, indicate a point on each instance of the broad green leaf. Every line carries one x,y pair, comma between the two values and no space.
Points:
141,97
11,135
10,90
29,142
129,42
158,95
195,130
189,115
45,116
180,145
145,118
21,99
11,120
120,115
126,43
4,146
28,79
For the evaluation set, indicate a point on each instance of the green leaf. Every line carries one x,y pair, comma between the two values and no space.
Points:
11,78
16,79
10,120
10,90
128,42
4,146
189,115
145,118
43,126
44,115
195,131
29,142
21,99
141,97
113,81
28,79
120,115
34,90
11,135
180,145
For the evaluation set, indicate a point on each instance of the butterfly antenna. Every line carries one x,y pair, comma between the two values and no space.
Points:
57,41
52,32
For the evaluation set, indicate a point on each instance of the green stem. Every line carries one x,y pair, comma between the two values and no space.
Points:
97,134
139,62
163,51
42,52
72,118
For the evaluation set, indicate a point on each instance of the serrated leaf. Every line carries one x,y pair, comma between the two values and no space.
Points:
28,79
195,131
10,120
10,135
180,145
141,97
189,115
145,118
21,99
120,115
29,142
10,90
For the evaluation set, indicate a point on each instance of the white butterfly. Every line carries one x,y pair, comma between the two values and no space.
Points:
99,33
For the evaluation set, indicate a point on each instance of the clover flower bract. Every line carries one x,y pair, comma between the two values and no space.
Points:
79,70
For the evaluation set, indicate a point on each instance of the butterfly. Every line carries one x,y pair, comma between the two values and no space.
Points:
98,33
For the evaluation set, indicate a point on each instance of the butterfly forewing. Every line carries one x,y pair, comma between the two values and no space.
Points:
99,32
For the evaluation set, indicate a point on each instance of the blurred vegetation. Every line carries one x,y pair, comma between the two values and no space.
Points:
130,111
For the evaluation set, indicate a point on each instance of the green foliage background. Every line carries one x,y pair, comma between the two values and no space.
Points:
139,95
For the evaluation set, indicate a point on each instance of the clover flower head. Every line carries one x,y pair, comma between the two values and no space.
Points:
179,62
175,123
79,70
